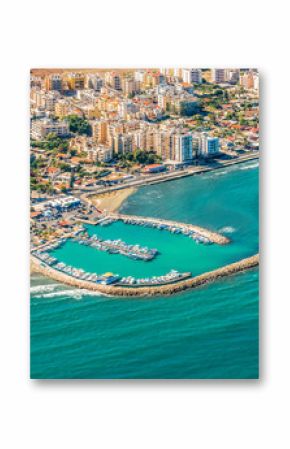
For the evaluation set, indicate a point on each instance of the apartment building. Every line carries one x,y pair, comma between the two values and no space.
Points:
182,144
218,76
40,128
75,81
209,146
53,82
192,76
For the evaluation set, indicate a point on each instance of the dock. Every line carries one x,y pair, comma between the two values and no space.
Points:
160,290
185,228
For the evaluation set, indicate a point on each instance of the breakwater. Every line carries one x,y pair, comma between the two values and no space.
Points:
169,289
185,228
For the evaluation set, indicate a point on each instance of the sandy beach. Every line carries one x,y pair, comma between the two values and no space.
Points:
111,201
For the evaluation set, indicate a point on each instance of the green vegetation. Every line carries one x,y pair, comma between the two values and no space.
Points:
79,125
139,157
51,143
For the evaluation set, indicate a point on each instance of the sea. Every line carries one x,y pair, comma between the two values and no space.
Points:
211,332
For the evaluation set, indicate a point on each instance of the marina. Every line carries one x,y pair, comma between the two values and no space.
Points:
96,237
103,284
45,261
117,246
197,233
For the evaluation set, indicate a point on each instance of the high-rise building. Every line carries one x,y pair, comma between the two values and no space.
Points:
139,75
100,131
61,108
130,86
122,143
218,76
250,80
94,82
256,81
192,76
113,80
232,76
210,146
182,147
53,82
75,81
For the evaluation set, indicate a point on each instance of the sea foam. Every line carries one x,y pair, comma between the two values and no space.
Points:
227,229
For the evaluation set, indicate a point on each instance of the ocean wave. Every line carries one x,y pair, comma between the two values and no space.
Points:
218,173
227,229
248,167
43,288
57,290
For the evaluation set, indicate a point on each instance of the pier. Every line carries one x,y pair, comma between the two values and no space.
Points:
198,233
160,290
136,252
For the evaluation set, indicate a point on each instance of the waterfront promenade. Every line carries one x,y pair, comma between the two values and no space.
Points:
165,177
160,290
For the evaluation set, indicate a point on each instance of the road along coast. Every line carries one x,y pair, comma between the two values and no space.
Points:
90,194
111,198
169,289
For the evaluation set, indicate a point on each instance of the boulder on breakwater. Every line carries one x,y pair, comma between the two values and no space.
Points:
169,289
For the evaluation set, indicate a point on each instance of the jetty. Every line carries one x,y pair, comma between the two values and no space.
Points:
117,246
140,291
201,235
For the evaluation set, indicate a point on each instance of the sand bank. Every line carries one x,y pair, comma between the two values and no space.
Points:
112,201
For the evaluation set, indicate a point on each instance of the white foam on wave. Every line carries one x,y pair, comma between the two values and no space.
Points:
228,229
43,288
248,167
218,173
53,292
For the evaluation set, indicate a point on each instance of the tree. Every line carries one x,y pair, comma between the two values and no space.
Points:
79,125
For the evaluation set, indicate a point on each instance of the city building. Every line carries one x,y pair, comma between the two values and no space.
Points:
182,144
192,76
40,128
210,146
75,81
113,80
122,143
218,76
249,80
53,82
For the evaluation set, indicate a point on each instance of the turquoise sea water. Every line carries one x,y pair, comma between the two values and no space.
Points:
210,332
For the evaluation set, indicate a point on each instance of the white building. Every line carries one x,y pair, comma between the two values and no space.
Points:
232,76
139,75
94,82
192,76
210,146
40,128
256,81
127,107
182,147
100,153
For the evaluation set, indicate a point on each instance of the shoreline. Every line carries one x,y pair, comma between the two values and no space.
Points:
117,196
162,290
112,201
132,187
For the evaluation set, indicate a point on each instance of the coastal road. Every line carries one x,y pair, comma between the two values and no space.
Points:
154,179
